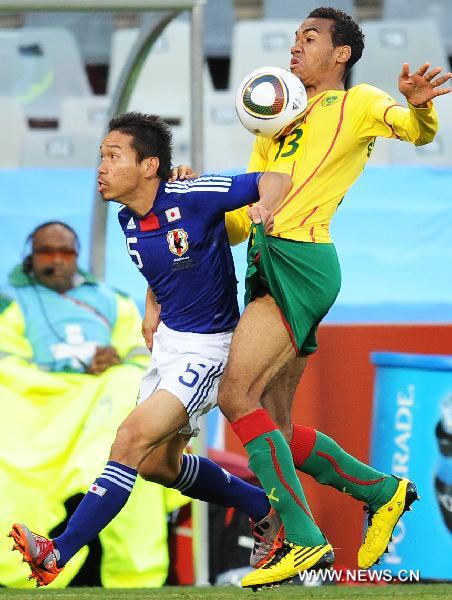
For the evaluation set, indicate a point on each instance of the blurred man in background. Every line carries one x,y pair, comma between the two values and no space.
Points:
71,359
72,322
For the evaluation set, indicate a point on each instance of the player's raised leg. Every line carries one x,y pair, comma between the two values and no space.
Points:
150,424
328,463
262,347
200,478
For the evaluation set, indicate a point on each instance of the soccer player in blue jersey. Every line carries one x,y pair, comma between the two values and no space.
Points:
175,234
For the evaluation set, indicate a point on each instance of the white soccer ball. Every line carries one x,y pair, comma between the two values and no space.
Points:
270,101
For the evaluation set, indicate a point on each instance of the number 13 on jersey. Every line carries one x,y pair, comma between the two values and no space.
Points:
292,143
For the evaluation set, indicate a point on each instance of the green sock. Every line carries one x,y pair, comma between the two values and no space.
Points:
329,464
270,459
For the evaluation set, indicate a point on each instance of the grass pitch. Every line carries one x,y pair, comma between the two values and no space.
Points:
329,592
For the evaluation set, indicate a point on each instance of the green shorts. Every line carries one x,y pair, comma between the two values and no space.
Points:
303,278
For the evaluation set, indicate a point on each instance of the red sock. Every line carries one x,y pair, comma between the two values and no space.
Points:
253,425
302,443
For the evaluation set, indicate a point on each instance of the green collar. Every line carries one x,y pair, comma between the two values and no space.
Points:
17,278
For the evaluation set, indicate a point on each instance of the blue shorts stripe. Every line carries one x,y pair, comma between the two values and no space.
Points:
200,386
207,387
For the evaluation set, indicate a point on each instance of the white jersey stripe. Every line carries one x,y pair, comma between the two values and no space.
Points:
198,189
200,179
209,184
213,177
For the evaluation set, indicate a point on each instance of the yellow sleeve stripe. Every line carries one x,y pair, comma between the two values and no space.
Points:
389,124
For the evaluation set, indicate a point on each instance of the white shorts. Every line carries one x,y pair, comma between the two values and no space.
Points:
189,365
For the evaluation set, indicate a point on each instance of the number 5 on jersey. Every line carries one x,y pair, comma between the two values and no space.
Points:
134,253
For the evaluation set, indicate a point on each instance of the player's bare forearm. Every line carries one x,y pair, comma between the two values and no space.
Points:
151,317
273,188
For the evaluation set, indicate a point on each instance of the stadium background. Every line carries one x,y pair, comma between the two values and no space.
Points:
57,75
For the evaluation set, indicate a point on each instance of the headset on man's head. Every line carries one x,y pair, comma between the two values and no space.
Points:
28,246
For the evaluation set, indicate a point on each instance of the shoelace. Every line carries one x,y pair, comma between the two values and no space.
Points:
44,547
280,553
257,535
370,514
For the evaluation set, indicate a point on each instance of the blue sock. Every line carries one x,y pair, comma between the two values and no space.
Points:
203,479
103,501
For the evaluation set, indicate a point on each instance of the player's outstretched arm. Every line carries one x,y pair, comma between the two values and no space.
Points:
273,188
423,85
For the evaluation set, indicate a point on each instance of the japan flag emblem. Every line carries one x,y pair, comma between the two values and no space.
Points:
177,241
98,489
172,214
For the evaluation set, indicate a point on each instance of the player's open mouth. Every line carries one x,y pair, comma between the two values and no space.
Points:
100,185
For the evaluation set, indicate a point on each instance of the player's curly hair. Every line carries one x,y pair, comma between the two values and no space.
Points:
345,32
151,136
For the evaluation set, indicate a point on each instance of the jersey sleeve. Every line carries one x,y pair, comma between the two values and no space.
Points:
237,222
385,118
238,225
216,194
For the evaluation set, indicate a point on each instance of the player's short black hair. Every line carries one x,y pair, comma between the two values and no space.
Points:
151,136
345,32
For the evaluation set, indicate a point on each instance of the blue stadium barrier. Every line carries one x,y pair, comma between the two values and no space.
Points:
392,233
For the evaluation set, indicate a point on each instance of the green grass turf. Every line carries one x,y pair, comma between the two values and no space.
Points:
330,592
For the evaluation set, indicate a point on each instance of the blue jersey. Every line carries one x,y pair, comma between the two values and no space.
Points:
181,248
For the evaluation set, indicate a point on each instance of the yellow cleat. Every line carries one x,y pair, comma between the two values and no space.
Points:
382,522
289,561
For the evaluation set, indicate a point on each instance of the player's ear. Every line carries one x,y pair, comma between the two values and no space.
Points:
151,166
344,54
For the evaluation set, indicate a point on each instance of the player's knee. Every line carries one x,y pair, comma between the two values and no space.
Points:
231,387
236,405
126,447
235,397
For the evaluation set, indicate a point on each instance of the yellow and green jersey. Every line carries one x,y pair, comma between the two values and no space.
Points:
325,155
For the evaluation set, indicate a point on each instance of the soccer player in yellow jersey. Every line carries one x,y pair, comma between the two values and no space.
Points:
293,279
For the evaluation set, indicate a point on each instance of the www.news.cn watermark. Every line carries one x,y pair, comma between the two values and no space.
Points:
358,576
